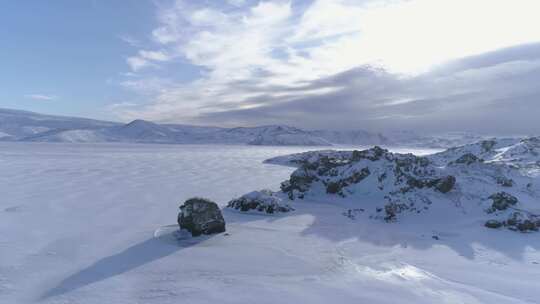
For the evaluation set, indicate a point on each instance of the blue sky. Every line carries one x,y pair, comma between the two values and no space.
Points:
69,51
446,65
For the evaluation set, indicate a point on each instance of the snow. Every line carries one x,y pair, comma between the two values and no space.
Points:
95,223
32,127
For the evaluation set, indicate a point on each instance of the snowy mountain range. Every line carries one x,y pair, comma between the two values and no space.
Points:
27,126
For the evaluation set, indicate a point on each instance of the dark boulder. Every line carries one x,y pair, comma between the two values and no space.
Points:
487,145
493,224
519,221
505,182
333,188
467,159
502,200
526,225
393,209
445,184
201,216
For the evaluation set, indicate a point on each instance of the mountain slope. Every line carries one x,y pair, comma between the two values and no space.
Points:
27,126
23,125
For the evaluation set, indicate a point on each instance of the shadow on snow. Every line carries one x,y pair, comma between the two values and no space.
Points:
137,255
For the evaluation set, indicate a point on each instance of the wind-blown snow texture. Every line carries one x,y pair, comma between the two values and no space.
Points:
27,126
96,224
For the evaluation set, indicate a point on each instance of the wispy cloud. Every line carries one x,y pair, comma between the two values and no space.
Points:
130,40
299,61
41,97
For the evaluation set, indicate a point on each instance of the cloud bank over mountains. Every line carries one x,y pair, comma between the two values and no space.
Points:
435,65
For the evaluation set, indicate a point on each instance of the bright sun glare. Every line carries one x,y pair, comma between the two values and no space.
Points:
412,36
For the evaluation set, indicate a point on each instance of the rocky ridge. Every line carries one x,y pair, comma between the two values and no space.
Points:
495,181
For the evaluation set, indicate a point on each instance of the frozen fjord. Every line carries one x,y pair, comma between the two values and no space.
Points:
89,224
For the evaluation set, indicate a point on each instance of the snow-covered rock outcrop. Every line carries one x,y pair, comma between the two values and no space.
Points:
519,153
264,201
483,180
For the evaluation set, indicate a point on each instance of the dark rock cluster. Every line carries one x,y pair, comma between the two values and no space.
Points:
260,201
502,201
468,159
517,221
339,171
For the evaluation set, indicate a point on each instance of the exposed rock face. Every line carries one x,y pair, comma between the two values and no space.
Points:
201,216
487,145
390,185
502,200
393,209
445,184
467,159
493,224
518,220
519,153
522,222
264,201
339,172
504,181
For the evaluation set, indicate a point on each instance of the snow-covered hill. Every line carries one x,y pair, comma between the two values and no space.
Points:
287,136
520,153
495,182
408,138
27,126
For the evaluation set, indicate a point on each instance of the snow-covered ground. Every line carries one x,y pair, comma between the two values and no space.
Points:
94,223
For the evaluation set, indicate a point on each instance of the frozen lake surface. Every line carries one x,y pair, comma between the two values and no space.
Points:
93,224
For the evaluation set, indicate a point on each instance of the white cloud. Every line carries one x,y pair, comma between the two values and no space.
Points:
136,63
41,97
130,40
236,2
146,58
270,50
154,55
146,86
121,106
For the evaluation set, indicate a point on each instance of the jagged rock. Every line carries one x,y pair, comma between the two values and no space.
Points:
263,201
467,159
392,209
522,222
445,184
493,224
201,216
299,182
502,200
356,177
372,154
527,225
504,181
339,171
487,145
395,183
333,188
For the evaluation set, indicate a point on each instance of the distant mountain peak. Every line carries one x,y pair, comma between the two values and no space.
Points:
140,123
18,125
